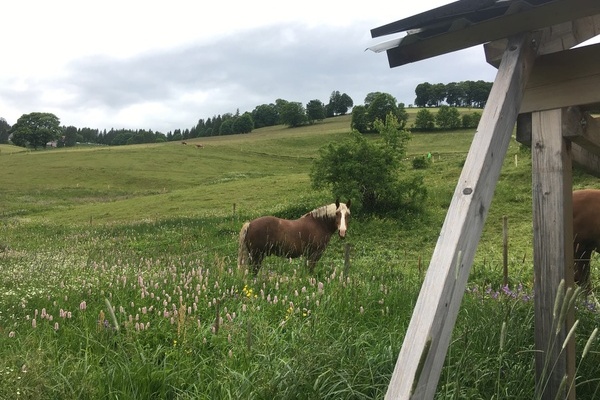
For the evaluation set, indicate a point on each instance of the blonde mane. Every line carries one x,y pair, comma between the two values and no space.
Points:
327,211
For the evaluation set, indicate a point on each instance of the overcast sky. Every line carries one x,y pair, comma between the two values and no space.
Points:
163,65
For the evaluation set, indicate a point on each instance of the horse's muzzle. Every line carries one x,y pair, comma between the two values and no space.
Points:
342,234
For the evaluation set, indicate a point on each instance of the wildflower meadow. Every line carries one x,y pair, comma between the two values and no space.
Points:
130,289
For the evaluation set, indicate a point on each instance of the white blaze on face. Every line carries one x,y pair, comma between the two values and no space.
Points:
342,226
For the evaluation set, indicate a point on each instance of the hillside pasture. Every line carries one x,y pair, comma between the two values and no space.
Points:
120,279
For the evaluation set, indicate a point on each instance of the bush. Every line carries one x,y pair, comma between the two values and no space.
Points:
360,121
448,118
367,171
420,162
471,120
425,120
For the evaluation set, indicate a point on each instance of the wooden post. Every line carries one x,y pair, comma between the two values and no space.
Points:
346,258
423,352
553,250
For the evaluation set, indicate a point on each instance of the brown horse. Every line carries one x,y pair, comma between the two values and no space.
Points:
586,232
306,236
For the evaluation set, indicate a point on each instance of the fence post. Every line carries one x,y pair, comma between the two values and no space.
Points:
346,258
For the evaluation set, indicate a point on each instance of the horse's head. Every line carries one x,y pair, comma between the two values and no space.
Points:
342,216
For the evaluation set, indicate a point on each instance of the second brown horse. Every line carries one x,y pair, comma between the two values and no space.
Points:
586,232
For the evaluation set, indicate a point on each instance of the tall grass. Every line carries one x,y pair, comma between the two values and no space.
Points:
119,278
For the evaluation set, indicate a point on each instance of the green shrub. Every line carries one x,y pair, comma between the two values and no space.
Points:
367,171
420,162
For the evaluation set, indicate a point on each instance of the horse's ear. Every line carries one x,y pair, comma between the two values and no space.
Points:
337,203
349,203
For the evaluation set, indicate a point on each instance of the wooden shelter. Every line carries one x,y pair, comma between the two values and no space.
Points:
543,86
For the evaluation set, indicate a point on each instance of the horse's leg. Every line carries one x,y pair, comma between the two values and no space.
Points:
313,259
311,265
256,261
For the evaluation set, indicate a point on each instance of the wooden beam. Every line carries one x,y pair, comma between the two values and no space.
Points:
585,138
583,129
589,162
423,352
554,38
415,47
553,251
567,35
567,78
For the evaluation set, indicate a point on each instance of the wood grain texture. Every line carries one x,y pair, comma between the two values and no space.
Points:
553,247
423,352
563,79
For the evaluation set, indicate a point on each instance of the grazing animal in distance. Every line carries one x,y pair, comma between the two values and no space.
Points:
306,236
586,233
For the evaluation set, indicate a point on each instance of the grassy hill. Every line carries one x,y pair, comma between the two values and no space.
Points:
256,173
149,232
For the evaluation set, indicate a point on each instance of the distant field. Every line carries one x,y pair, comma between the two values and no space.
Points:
8,149
161,180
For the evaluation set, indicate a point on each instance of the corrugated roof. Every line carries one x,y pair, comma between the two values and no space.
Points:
441,18
467,23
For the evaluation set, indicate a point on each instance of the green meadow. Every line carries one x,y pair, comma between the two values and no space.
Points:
119,276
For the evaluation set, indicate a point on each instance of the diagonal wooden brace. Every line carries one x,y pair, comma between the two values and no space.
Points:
423,352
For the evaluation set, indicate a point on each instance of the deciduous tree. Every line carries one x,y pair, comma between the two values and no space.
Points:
339,104
382,105
315,111
360,121
36,129
377,106
243,123
424,94
293,114
4,128
265,115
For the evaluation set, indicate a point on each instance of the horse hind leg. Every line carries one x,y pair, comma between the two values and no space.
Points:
243,250
256,259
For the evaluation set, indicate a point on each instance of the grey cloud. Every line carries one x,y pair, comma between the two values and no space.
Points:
241,71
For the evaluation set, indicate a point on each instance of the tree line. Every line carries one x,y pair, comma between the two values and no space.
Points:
38,129
281,112
456,94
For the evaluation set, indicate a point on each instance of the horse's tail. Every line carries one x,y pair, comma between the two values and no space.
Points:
243,251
